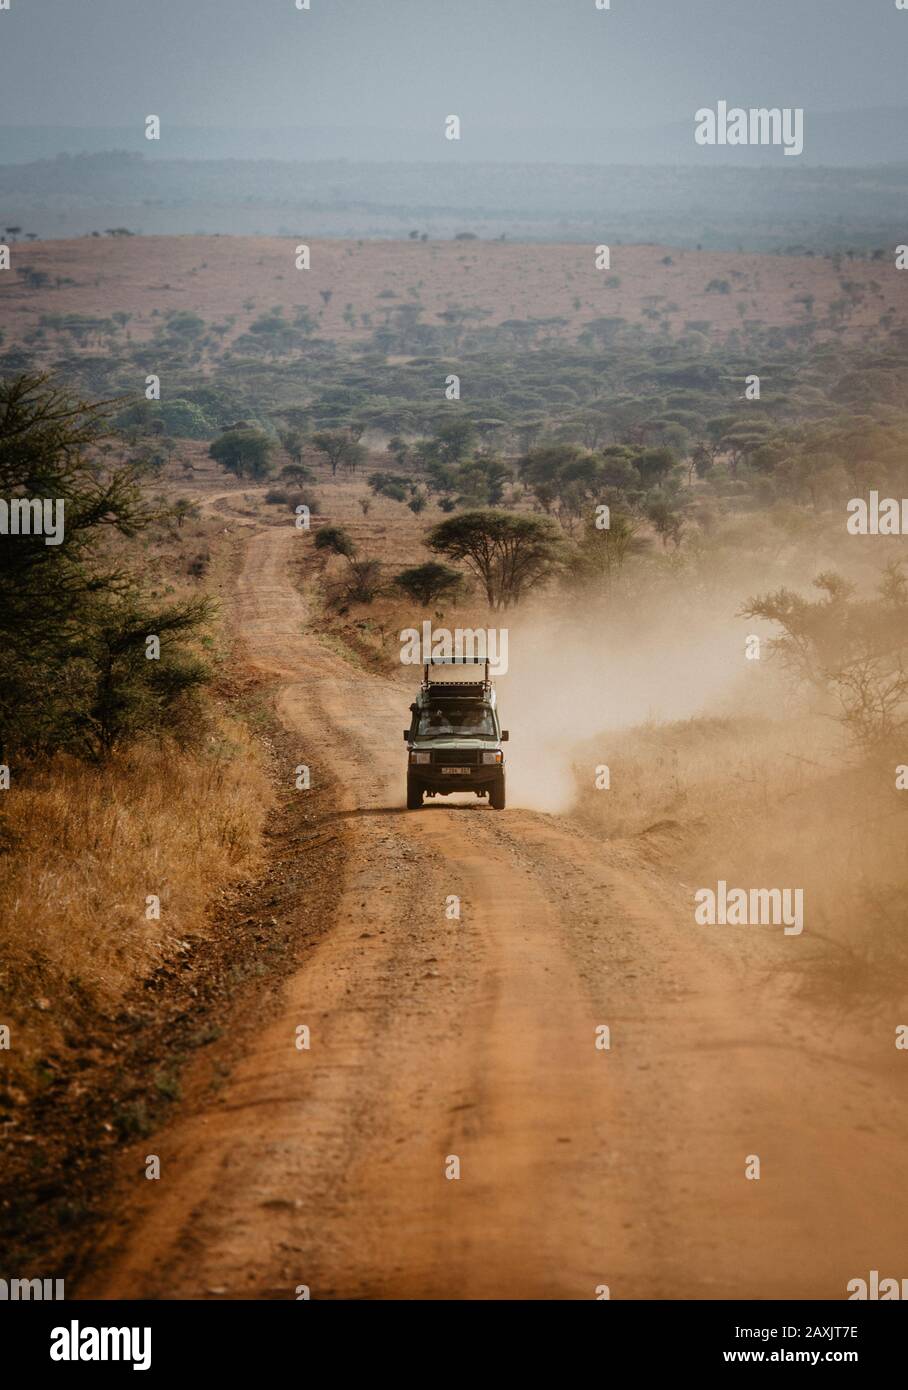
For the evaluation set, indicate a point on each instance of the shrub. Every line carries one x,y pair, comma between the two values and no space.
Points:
335,540
429,582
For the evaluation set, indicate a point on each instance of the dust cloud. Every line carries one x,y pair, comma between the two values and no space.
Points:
575,680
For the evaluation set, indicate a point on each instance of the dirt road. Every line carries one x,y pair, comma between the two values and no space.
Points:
475,1038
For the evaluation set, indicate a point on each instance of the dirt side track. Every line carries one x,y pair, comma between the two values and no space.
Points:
476,1037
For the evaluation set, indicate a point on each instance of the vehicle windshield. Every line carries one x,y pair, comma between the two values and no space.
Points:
457,718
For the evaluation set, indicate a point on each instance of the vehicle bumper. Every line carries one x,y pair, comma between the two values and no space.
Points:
479,778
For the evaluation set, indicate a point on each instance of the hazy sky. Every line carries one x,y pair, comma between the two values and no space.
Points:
512,64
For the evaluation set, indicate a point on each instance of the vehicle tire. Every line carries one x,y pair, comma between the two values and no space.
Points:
414,795
496,794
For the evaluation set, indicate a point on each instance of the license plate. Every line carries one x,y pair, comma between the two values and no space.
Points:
456,771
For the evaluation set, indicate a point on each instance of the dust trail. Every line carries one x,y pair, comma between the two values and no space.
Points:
570,682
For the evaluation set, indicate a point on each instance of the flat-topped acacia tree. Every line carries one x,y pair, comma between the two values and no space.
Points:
509,554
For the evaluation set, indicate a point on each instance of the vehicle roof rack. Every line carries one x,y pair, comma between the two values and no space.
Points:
456,673
464,690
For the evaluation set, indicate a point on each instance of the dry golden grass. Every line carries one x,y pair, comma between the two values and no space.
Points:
86,847
694,771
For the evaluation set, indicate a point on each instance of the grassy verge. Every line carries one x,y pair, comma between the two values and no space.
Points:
87,849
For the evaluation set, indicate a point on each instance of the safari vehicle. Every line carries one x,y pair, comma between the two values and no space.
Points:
454,739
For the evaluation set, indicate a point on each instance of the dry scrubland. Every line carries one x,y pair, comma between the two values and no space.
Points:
719,768
232,280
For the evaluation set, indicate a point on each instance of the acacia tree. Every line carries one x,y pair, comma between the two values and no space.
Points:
339,447
298,474
566,475
363,579
508,554
602,552
182,509
429,582
665,519
293,440
243,451
482,481
453,439
854,649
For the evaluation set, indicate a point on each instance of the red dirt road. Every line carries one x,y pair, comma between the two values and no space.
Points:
476,1037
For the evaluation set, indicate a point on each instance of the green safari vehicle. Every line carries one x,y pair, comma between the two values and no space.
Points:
455,737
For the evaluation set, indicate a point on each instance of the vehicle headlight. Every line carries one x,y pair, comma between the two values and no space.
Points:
492,757
420,757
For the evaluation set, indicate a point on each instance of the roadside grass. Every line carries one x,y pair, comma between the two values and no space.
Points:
86,847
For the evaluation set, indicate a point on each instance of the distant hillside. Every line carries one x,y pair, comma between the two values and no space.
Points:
839,139
721,207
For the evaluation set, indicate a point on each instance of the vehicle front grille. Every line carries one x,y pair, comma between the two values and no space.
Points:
455,757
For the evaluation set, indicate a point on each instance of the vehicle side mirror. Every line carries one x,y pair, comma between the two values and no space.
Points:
505,735
406,735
